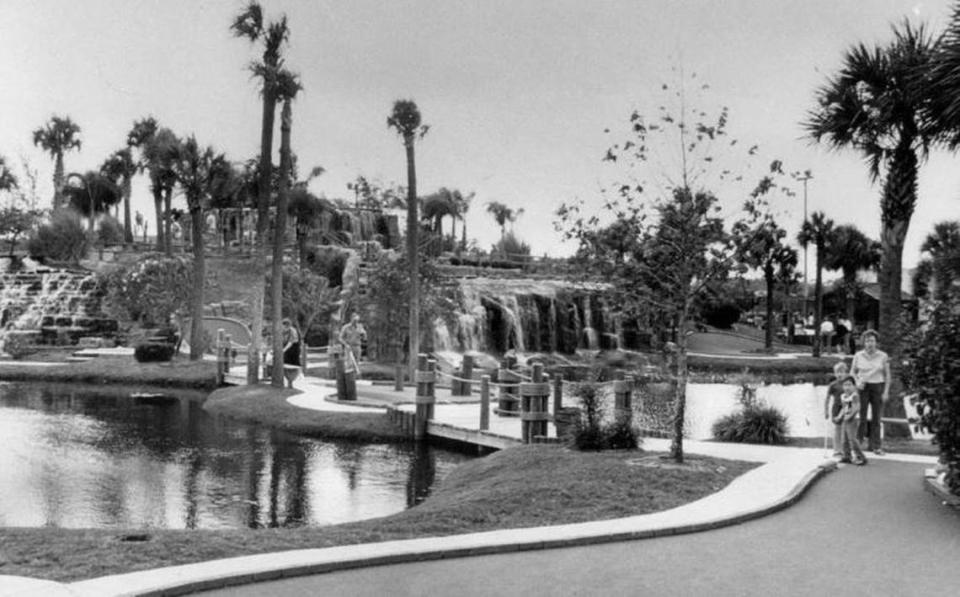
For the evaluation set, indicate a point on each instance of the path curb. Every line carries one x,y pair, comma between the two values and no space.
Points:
190,578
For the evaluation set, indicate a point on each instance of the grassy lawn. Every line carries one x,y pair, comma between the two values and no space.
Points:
181,372
519,487
268,406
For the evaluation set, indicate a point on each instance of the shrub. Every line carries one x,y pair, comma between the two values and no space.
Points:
153,352
621,435
933,372
18,345
110,232
591,433
63,238
753,425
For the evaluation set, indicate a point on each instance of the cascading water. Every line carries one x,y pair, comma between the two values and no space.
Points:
51,306
499,314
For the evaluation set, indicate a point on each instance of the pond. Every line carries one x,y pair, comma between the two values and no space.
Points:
97,457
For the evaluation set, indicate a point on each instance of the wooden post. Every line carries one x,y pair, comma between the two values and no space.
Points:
426,379
218,350
346,380
534,398
557,393
485,403
227,349
398,372
507,402
622,399
466,373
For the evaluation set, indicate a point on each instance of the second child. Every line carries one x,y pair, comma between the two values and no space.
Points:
846,417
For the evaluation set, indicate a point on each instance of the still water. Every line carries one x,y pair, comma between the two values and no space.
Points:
94,457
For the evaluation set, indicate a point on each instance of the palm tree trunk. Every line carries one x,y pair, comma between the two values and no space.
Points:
818,302
167,221
127,225
158,211
57,181
259,243
280,226
770,279
199,275
413,255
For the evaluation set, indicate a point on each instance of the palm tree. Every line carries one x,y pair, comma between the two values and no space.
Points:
57,137
93,194
817,231
942,81
288,85
943,245
249,23
120,168
200,173
876,105
503,214
463,206
850,252
405,119
158,151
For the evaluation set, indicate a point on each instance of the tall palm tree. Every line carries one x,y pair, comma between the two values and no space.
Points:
942,81
92,194
406,120
249,23
850,251
876,105
817,230
120,168
943,245
503,214
158,150
200,172
288,85
58,136
760,245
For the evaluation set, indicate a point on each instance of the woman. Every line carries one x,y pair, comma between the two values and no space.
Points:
871,369
291,347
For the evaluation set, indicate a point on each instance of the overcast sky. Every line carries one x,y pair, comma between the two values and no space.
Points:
517,93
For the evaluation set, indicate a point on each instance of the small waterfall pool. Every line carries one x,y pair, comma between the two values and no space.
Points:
95,457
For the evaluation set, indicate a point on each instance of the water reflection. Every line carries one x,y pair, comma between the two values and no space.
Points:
95,457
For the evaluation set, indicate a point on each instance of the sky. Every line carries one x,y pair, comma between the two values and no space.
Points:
517,94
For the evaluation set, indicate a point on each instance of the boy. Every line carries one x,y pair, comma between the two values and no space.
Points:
832,406
849,404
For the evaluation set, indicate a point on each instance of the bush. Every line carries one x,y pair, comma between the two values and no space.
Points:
933,372
18,345
63,238
591,433
153,352
753,425
110,233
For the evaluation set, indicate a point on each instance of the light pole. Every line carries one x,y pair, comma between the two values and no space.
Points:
807,175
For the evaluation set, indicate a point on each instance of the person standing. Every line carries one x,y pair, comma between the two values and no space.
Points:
291,347
846,419
832,408
871,369
352,335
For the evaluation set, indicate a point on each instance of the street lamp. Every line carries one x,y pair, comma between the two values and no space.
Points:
807,175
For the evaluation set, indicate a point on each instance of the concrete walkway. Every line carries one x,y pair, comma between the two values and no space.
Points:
779,482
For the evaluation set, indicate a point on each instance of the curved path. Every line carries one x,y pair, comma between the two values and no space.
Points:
859,531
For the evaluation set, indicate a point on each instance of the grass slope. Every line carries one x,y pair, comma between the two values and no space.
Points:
520,487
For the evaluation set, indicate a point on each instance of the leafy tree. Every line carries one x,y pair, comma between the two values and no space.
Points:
877,104
760,244
374,195
503,214
406,120
91,195
818,231
249,23
199,172
511,246
850,251
8,180
119,168
308,298
943,246
58,136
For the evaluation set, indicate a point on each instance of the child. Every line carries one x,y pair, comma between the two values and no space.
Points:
831,408
847,419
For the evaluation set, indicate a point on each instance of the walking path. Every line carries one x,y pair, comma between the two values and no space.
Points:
779,482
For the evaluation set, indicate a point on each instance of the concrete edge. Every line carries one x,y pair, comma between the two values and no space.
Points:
941,492
182,584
